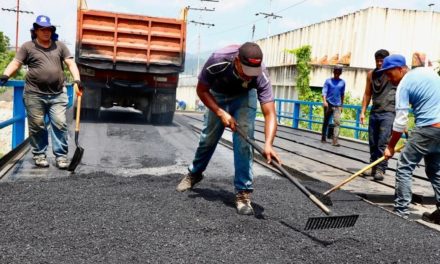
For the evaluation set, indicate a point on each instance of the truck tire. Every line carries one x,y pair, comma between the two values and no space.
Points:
162,118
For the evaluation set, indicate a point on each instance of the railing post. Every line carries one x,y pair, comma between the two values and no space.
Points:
310,117
18,128
358,115
279,111
296,112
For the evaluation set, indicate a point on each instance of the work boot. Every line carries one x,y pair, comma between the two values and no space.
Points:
370,172
189,181
378,176
41,161
433,217
62,163
243,203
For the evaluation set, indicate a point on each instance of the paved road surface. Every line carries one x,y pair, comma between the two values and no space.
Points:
121,207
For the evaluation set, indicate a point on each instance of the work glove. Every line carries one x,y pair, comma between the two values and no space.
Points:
80,89
4,79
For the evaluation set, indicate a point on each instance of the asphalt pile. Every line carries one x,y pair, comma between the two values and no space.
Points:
104,218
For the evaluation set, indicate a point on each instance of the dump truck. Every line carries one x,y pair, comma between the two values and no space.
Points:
130,61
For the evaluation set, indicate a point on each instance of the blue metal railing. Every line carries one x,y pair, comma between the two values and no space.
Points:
19,113
295,114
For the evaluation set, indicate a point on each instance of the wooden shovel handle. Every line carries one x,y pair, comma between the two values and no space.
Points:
78,108
349,179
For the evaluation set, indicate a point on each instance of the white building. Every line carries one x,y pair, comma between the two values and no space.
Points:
351,40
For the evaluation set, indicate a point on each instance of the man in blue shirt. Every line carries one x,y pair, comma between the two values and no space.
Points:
229,85
333,99
419,89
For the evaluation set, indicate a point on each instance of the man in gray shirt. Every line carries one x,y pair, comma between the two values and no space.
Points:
45,93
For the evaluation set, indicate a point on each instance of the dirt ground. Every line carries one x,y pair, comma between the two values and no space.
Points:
5,114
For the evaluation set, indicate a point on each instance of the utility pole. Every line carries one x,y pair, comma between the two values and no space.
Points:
199,24
431,9
269,17
18,11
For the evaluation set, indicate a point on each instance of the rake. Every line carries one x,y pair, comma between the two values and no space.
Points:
313,222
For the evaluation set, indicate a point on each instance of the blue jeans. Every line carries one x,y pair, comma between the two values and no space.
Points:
423,143
243,109
54,106
379,132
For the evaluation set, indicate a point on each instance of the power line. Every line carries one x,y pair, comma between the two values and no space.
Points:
15,10
257,20
199,24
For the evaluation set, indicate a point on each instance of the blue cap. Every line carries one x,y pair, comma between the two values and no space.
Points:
43,21
393,61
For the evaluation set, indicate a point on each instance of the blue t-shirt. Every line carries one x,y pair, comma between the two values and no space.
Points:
333,91
219,74
420,88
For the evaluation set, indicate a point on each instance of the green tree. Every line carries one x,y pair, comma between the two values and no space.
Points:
7,56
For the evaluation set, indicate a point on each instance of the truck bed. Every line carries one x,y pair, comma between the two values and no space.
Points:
108,40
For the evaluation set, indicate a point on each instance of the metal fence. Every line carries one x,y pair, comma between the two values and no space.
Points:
296,111
18,119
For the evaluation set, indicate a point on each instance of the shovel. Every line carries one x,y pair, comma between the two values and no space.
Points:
79,152
352,177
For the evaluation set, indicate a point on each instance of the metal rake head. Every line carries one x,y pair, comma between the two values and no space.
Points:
328,222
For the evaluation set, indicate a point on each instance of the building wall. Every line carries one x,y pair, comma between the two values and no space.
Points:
186,91
352,39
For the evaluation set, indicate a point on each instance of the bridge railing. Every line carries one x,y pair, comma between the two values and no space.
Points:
293,112
18,119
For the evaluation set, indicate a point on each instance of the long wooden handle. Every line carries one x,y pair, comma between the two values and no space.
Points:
349,179
285,172
78,108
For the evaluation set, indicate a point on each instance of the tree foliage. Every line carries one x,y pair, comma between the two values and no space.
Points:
7,56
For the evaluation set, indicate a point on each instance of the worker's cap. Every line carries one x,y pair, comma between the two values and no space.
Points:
251,57
393,61
43,21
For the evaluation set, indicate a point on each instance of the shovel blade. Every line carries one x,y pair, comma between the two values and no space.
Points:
79,152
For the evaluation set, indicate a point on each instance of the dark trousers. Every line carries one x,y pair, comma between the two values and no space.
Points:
379,132
328,112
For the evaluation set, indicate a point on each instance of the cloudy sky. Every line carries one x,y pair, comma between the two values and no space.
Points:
233,19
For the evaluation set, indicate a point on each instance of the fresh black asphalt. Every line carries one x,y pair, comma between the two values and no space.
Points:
96,216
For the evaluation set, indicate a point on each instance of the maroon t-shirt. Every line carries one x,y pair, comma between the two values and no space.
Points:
45,66
219,74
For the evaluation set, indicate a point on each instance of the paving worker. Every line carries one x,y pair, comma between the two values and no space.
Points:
228,85
45,92
383,93
333,100
420,89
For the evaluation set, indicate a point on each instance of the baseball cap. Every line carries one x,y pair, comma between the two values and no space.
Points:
392,61
44,22
250,56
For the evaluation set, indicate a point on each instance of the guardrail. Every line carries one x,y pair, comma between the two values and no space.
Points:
294,110
18,119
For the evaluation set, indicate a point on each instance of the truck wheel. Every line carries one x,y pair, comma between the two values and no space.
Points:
162,118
